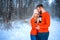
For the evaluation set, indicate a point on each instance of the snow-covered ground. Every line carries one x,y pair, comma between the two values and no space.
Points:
54,29
21,31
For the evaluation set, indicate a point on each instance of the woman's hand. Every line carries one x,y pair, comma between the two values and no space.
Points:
37,28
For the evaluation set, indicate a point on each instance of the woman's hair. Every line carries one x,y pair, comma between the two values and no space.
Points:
34,12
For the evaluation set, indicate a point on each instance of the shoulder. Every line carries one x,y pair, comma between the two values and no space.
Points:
47,14
31,19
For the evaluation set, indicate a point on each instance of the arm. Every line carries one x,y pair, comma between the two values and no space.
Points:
33,24
47,21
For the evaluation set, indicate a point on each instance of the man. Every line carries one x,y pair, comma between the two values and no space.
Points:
43,24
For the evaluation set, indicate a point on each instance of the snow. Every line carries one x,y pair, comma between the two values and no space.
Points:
21,31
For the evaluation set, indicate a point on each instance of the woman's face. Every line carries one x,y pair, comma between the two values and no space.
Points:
36,15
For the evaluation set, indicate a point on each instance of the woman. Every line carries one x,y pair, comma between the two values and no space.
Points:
34,24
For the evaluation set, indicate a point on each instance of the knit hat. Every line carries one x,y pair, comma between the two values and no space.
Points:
35,11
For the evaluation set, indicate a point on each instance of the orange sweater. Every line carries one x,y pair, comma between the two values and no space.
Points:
45,22
43,25
33,25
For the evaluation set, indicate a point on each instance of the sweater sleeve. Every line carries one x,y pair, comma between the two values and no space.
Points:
47,21
33,24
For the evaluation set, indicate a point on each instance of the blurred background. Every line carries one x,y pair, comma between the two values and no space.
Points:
15,16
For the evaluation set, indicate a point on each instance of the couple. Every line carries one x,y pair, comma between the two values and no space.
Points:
40,23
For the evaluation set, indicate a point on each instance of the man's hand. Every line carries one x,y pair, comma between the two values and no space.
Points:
37,28
37,20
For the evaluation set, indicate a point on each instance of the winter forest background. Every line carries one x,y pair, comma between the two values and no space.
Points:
15,16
